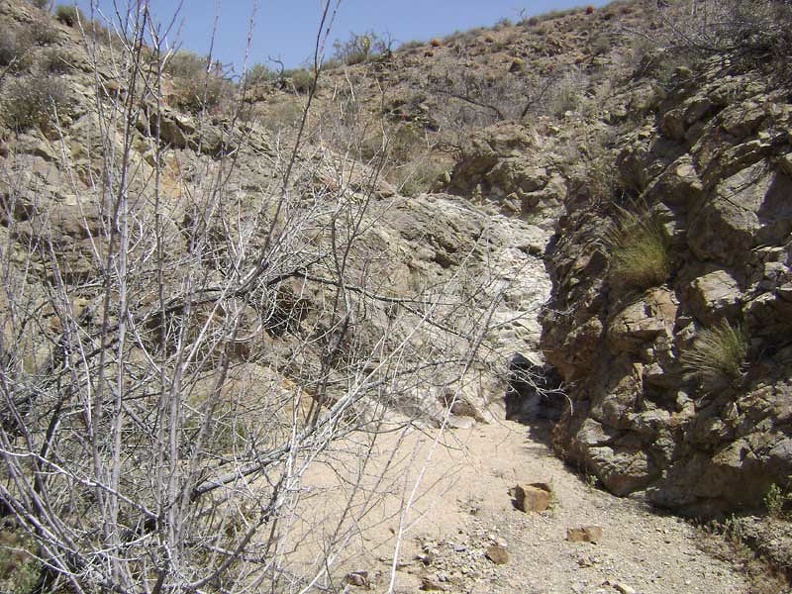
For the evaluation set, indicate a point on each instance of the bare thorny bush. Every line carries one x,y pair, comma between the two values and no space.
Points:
188,335
745,29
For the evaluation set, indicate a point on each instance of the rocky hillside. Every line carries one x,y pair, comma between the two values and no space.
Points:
663,167
670,318
196,309
209,284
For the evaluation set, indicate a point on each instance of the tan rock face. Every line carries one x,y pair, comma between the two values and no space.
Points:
500,162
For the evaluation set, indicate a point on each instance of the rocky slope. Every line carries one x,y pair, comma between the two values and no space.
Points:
712,165
194,310
267,288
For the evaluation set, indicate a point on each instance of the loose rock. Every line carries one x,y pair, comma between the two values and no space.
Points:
497,554
535,497
591,534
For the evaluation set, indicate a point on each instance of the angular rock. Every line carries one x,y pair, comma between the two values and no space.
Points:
431,584
535,497
678,185
714,296
358,578
497,554
623,588
725,228
622,470
642,321
593,433
592,534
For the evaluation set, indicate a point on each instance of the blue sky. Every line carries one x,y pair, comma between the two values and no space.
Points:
285,29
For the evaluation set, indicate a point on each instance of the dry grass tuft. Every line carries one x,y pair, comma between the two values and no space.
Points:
717,356
638,246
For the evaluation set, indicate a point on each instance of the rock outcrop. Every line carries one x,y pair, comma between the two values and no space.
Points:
650,366
504,163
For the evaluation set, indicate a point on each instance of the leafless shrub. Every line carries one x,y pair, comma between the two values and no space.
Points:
745,28
182,344
360,47
55,61
474,99
13,50
41,31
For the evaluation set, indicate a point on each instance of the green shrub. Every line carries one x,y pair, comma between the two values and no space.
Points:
70,16
717,356
13,50
360,47
411,45
19,569
776,501
185,64
34,101
638,247
198,83
280,115
204,93
300,80
259,73
600,45
42,32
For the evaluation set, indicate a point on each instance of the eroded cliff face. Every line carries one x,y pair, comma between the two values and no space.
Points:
711,171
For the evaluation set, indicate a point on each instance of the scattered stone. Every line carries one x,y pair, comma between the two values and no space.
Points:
620,587
431,584
588,561
426,558
591,534
535,497
497,554
624,588
358,578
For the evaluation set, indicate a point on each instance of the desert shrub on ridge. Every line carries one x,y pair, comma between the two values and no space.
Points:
34,100
69,15
360,47
198,82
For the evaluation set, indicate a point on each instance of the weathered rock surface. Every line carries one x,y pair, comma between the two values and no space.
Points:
503,164
712,161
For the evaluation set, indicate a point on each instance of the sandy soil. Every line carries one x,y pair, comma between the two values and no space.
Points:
401,538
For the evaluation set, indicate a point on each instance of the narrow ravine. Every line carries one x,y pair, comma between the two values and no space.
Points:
434,506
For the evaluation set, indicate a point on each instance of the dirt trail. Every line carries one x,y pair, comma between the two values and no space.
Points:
463,506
